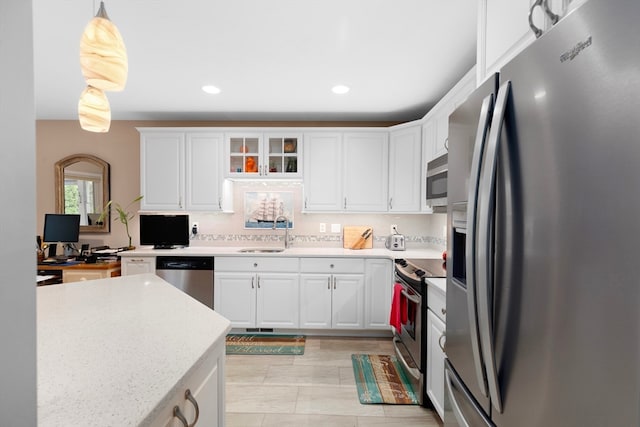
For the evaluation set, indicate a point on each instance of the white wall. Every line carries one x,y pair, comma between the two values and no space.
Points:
17,218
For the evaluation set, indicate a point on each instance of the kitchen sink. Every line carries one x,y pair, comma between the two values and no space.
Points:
261,250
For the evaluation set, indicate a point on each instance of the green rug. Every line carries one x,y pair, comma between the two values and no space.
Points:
380,379
265,344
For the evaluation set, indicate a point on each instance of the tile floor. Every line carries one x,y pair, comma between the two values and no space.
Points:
316,389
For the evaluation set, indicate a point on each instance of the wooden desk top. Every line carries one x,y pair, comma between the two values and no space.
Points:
81,266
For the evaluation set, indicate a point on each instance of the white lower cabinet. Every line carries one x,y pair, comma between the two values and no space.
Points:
435,348
206,388
332,293
138,265
378,293
257,292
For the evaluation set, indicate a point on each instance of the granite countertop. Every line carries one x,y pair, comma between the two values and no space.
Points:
113,351
290,252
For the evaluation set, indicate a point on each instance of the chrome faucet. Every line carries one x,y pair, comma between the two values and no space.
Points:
286,229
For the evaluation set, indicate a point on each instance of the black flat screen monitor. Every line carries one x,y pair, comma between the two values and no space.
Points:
164,231
63,228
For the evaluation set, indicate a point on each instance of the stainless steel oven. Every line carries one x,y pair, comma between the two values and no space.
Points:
410,338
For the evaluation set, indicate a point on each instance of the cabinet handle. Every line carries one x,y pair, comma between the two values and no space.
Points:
220,203
440,342
194,402
537,31
305,203
443,311
178,414
253,282
329,283
258,282
255,264
390,202
345,203
446,144
334,282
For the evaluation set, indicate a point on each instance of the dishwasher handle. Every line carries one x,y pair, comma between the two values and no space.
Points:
184,263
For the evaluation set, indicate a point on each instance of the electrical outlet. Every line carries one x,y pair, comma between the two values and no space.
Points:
323,227
194,228
335,228
393,229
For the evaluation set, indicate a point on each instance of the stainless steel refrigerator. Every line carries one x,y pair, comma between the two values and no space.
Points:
543,288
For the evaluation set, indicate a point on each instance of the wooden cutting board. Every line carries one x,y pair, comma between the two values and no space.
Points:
352,235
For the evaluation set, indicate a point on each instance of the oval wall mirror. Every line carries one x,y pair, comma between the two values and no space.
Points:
82,187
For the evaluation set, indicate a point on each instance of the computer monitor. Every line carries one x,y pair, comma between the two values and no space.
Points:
61,228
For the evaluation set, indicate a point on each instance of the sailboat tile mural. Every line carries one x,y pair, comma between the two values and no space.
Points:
261,209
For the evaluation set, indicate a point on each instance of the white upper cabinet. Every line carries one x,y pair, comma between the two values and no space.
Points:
263,156
203,152
504,30
346,172
323,171
162,170
405,160
180,170
366,176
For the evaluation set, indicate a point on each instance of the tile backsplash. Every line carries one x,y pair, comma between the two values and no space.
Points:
420,230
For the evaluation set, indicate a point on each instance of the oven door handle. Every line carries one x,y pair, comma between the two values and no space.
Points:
410,297
415,373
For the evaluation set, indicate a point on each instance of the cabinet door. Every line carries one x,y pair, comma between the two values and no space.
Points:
347,305
323,171
243,155
315,301
435,362
378,292
161,170
235,298
277,300
138,265
366,172
405,160
282,155
203,180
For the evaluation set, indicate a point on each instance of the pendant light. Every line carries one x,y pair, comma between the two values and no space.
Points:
94,112
103,56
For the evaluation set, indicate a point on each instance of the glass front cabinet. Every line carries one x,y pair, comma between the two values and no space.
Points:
264,155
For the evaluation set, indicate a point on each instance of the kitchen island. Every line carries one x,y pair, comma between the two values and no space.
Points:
123,351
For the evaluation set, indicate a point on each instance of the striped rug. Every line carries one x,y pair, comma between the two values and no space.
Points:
380,379
265,344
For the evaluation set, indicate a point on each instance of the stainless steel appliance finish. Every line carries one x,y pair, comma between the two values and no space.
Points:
411,340
543,316
437,181
191,274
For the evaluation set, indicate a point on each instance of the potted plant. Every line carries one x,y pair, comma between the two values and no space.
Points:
124,216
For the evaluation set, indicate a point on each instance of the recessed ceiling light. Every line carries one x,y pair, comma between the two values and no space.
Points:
210,89
340,89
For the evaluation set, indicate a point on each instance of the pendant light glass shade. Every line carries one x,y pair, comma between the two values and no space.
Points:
103,56
94,111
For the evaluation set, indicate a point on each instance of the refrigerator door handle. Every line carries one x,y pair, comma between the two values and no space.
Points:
455,408
472,217
458,398
487,211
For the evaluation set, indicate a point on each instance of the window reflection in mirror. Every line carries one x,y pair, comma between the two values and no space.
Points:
82,187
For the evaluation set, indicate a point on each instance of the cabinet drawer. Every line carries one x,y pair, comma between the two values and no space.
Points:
331,265
250,264
437,302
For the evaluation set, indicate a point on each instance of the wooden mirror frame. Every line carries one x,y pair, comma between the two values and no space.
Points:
104,169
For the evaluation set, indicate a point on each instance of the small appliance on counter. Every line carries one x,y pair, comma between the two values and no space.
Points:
395,242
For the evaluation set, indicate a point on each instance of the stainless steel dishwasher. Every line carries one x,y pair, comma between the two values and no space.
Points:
193,275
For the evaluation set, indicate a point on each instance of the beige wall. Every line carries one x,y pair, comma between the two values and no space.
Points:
119,147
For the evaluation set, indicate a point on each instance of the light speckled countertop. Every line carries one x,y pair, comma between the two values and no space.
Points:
293,251
111,351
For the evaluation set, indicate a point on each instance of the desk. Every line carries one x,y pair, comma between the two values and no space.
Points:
76,272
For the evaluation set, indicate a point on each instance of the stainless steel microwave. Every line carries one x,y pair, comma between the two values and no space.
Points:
437,182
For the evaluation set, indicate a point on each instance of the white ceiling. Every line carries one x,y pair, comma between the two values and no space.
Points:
272,59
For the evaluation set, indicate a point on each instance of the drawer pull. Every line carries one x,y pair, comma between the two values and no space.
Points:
443,311
178,414
194,402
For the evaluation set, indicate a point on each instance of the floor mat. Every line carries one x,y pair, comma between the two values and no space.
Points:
265,344
380,379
